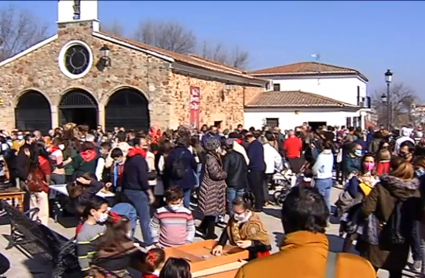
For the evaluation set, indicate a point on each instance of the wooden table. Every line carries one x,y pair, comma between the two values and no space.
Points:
14,194
204,264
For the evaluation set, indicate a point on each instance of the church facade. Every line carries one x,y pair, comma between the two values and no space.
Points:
86,76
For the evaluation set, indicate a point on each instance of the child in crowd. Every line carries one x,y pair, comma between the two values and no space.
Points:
176,268
95,214
173,225
154,262
101,174
118,168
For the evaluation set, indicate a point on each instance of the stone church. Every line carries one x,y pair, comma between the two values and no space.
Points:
86,76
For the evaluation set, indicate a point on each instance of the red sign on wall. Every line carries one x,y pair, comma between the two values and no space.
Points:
194,104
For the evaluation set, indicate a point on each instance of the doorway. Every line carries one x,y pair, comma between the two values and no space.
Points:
315,125
79,107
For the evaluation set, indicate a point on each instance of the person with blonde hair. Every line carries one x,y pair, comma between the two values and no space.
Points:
392,207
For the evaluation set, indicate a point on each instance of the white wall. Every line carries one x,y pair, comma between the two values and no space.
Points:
342,88
288,119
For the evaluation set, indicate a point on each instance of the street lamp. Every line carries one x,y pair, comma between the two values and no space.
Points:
388,79
384,98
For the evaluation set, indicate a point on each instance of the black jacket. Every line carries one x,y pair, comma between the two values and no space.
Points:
135,174
236,168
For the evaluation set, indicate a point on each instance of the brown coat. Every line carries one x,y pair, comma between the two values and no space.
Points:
381,202
212,192
303,255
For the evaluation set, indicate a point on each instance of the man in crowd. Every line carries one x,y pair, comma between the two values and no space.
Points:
256,169
237,147
293,149
136,188
213,132
304,219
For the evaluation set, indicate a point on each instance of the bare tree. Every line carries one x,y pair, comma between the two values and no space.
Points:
168,35
236,57
400,106
115,28
19,29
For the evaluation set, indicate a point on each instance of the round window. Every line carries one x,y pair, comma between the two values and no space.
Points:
75,59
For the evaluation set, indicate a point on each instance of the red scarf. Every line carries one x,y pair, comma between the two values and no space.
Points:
149,275
135,151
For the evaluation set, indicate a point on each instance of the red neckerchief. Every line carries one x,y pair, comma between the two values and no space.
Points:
149,275
135,151
88,155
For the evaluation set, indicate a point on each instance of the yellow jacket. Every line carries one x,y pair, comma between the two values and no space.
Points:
304,255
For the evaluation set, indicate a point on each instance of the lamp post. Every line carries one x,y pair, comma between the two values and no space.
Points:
384,101
388,79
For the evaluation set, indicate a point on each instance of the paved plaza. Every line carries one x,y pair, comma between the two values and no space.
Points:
23,267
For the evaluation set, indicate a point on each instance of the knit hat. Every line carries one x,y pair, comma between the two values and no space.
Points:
212,144
229,142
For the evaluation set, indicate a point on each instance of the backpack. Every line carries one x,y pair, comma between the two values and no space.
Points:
178,168
394,231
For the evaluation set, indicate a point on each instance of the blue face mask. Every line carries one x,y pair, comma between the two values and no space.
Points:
358,152
419,172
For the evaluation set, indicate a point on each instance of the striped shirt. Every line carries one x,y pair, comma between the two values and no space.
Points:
172,228
87,242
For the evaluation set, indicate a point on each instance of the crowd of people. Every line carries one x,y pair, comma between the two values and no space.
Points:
159,178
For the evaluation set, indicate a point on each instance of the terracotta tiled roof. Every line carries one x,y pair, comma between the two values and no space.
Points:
190,59
307,68
293,99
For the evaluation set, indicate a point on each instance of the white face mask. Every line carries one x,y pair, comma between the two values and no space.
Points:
61,147
242,218
102,218
175,207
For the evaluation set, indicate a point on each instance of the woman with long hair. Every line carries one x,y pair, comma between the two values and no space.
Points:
392,208
116,251
212,192
358,187
72,148
38,181
160,157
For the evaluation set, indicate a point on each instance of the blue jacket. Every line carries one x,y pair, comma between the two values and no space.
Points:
189,181
256,156
135,175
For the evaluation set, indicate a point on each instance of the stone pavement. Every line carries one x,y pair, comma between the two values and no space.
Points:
23,267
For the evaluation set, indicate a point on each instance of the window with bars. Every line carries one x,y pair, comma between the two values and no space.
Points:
276,87
272,122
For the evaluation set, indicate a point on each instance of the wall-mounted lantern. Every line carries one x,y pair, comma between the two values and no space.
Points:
106,60
297,112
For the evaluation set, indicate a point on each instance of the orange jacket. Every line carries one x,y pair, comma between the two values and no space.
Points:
304,255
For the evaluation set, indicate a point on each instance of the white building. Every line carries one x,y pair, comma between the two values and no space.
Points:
312,92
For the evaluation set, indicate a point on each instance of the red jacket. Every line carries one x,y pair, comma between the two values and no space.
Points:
293,147
44,169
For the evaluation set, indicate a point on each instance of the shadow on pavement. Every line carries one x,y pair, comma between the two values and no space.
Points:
38,266
275,212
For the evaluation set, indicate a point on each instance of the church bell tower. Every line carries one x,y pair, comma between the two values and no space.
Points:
79,10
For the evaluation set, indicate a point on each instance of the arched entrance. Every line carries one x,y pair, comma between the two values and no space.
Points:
127,108
33,112
80,107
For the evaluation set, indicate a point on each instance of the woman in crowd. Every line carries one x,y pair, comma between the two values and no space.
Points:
38,181
86,160
273,162
160,157
322,172
212,192
392,207
116,251
383,158
58,163
352,160
72,147
358,188
176,268
245,230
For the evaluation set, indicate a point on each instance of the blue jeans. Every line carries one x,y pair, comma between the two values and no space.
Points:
198,175
186,198
232,193
140,201
324,186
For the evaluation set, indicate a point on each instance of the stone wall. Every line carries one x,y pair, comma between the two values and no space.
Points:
39,71
217,103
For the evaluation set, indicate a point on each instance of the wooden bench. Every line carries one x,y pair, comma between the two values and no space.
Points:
60,250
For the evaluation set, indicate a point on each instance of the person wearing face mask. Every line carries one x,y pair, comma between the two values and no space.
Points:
88,238
245,230
172,225
116,251
352,160
356,190
19,141
406,150
56,157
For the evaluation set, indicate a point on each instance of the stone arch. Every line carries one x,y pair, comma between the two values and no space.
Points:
15,100
129,108
108,95
80,107
33,111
